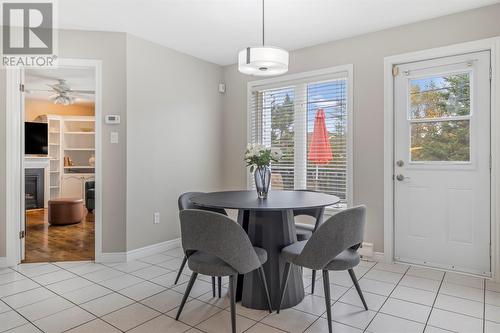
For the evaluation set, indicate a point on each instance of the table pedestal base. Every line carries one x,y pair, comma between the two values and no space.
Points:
270,230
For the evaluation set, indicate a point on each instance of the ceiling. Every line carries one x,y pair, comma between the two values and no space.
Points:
77,78
214,30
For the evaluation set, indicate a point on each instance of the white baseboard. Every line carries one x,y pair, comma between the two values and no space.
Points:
379,257
153,249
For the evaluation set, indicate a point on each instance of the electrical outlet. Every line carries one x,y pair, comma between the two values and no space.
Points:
156,219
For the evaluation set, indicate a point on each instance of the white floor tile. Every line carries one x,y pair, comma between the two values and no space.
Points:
26,328
86,294
199,288
388,324
491,327
10,320
420,283
493,286
70,264
290,320
32,270
395,268
457,290
142,290
384,276
95,326
174,264
130,316
221,323
17,287
432,329
151,272
64,320
321,326
161,324
167,280
131,266
195,312
411,311
459,305
164,301
28,297
336,291
53,277
106,304
492,298
44,308
261,328
156,258
69,285
86,268
249,313
121,282
340,278
10,276
222,302
312,304
455,321
426,273
464,280
414,295
492,313
177,252
376,287
373,301
351,315
102,275
4,307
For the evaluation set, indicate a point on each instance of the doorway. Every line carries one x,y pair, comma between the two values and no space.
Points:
442,163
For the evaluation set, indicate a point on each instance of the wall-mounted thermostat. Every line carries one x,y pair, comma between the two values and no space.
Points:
112,119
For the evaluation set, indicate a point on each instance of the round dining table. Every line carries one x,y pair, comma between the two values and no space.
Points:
270,225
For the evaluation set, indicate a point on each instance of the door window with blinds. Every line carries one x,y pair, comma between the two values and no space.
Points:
308,119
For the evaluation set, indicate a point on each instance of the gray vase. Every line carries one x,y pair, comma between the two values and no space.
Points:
262,177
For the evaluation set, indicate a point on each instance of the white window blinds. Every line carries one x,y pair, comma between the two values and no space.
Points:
307,119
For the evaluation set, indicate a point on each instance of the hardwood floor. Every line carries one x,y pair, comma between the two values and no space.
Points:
58,243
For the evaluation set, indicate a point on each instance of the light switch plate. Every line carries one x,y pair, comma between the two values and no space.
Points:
156,218
113,138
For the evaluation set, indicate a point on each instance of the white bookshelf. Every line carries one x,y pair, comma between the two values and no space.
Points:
78,135
54,124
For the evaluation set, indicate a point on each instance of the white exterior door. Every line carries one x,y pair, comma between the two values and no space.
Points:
442,163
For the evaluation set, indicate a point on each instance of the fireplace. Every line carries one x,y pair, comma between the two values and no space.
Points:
34,188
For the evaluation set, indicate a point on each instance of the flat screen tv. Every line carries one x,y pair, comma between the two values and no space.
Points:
36,136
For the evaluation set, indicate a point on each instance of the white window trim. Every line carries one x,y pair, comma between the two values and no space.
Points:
349,69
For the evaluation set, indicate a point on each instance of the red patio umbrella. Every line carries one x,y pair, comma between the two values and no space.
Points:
320,151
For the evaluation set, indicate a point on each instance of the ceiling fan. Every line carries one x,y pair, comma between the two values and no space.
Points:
63,94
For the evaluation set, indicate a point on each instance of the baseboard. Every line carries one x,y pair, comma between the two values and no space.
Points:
379,257
112,257
153,249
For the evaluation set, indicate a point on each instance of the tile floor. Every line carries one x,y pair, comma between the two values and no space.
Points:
139,296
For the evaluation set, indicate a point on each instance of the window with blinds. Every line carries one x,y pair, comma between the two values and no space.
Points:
307,118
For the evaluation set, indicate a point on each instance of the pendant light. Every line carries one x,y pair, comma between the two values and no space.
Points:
263,60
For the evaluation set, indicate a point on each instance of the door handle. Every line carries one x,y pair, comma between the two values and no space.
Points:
400,177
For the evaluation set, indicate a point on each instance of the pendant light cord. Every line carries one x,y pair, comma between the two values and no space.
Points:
263,40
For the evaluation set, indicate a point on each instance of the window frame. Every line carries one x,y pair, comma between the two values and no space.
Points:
305,78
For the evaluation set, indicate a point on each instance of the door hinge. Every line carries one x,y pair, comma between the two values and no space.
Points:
21,87
22,234
395,71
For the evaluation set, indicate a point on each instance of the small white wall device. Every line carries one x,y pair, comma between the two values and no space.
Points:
112,119
222,88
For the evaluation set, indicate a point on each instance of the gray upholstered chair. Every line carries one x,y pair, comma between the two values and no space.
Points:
333,247
304,231
184,202
216,245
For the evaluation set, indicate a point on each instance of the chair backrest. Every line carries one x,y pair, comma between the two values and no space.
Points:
185,202
220,236
340,232
316,213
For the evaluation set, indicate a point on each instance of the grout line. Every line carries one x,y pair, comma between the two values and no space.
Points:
434,302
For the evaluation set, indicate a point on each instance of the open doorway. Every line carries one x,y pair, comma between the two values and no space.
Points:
59,160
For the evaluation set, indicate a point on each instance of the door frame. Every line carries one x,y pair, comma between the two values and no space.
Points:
15,163
490,44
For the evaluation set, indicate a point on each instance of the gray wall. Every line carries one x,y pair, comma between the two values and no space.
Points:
367,53
2,164
173,136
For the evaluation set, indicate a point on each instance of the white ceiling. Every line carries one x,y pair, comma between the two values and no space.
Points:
215,30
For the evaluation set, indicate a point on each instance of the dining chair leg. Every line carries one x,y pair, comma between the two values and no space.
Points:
181,269
313,281
232,297
328,302
186,294
286,274
219,283
356,284
213,286
262,275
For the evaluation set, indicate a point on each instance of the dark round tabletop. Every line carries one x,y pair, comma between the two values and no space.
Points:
276,200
